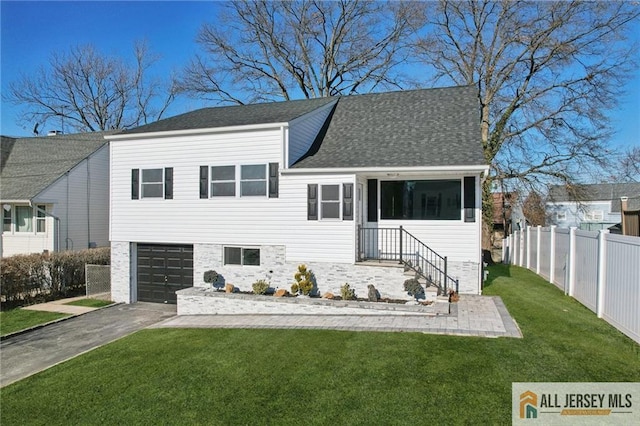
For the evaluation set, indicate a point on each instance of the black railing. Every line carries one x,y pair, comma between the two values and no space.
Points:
399,245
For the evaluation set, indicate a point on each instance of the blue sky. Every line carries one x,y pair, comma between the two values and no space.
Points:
32,31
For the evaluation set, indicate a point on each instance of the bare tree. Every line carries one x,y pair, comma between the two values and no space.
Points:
89,91
546,74
534,210
629,166
262,50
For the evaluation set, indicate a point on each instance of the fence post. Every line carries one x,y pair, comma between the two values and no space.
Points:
521,247
400,243
602,261
538,238
552,259
571,263
528,244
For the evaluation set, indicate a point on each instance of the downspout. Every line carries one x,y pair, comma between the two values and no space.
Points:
88,204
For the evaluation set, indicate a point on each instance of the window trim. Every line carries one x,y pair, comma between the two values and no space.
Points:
594,216
459,218
242,257
41,217
155,183
265,180
234,181
5,218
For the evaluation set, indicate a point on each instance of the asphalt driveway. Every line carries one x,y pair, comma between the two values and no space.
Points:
29,353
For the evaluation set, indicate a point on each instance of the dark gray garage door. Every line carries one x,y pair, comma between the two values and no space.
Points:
162,270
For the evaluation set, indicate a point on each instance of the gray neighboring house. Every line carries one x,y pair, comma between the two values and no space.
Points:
54,192
253,191
590,207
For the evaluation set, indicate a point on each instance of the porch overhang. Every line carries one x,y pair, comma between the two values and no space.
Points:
391,171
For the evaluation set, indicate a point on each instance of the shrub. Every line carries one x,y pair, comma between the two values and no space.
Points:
211,277
32,278
260,287
347,293
304,281
413,287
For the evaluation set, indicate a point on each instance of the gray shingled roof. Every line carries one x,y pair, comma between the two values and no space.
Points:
429,127
237,115
599,192
32,164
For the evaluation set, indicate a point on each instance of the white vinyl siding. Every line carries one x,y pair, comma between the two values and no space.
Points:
303,131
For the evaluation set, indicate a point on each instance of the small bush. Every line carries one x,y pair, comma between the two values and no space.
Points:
211,277
413,287
260,287
347,293
304,281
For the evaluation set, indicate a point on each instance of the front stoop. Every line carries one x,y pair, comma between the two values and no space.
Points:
204,301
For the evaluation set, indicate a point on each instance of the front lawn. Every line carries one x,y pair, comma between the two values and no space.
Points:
225,376
20,319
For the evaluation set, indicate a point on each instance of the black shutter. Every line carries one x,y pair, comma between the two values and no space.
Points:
204,181
312,202
273,180
469,199
135,184
347,201
168,183
372,200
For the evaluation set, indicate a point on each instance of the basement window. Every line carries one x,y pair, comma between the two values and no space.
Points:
242,256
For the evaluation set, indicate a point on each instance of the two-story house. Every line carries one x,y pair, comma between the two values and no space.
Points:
253,191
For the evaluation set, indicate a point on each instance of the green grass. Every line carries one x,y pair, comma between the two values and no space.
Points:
90,303
281,377
20,319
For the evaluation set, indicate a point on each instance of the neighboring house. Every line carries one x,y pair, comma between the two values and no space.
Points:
590,207
54,192
507,218
252,191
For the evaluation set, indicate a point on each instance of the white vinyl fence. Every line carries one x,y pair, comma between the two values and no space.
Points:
599,269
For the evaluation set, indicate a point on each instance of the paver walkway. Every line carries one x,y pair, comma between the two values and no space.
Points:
471,316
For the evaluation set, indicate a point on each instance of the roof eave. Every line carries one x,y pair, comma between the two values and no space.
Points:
193,132
480,168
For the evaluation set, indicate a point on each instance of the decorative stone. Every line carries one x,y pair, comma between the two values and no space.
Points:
328,295
228,288
373,293
281,292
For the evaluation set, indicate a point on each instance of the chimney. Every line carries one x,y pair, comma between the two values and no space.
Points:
623,208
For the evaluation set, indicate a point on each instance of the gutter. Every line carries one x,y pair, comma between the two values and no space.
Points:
372,170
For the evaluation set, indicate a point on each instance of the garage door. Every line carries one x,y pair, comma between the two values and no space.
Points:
162,270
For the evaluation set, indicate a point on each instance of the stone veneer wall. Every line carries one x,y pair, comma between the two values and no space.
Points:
387,279
121,272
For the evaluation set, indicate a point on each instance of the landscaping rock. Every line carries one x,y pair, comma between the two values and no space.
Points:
328,295
373,293
228,288
281,292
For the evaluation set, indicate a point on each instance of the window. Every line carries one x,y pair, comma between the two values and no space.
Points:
41,218
24,219
253,180
330,202
594,215
152,186
561,216
421,199
223,181
241,256
6,218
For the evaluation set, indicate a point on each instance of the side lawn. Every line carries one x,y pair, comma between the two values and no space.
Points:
319,377
20,319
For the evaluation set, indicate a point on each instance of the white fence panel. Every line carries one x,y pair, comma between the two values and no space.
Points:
600,270
586,265
622,284
533,250
545,253
561,274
